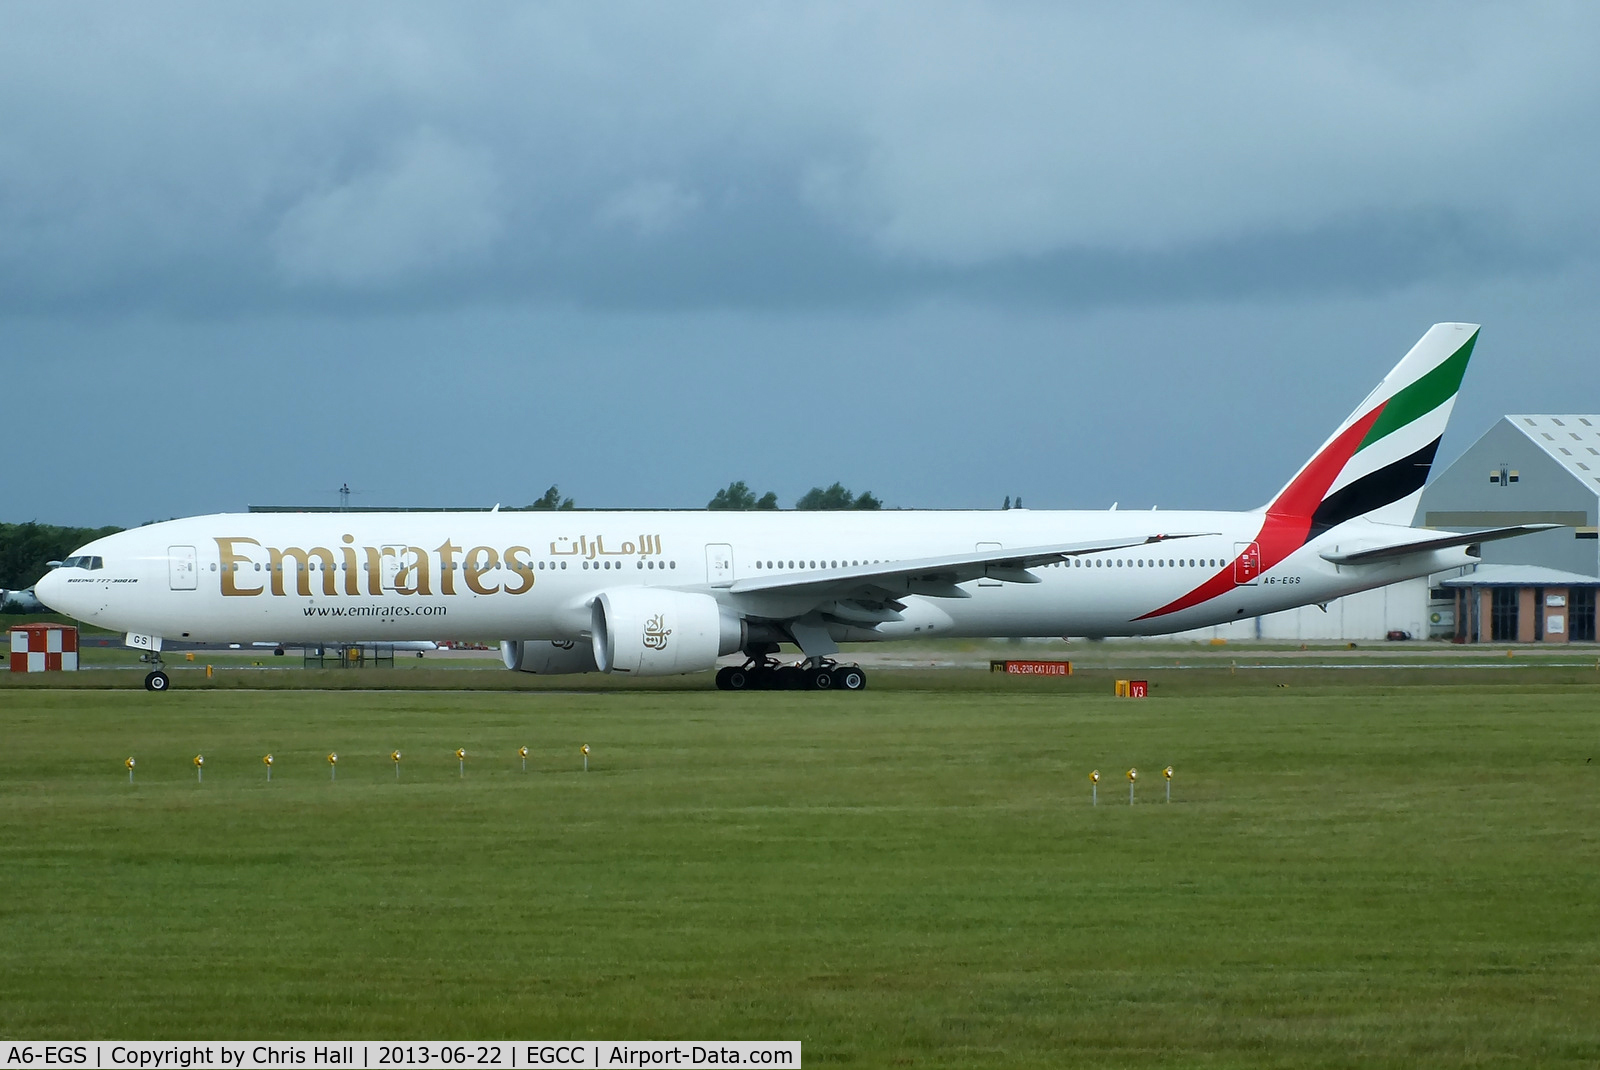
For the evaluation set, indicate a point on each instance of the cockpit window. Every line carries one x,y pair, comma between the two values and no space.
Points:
84,561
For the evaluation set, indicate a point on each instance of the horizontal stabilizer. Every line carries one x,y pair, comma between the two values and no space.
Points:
1437,541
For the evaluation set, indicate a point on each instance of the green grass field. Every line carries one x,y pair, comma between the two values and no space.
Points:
1358,868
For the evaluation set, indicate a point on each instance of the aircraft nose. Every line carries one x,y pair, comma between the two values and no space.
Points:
52,591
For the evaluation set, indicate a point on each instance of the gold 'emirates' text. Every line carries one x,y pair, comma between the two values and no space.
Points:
373,570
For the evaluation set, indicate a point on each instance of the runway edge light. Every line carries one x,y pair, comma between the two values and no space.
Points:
200,768
129,763
1094,787
1133,775
267,761
522,752
1167,772
394,756
333,765
461,757
586,757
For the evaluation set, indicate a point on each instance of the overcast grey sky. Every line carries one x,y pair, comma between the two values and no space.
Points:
1146,253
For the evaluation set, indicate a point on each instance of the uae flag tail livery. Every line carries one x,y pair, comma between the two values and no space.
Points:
1375,464
1366,480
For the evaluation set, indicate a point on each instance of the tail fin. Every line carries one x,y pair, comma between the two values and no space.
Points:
1375,464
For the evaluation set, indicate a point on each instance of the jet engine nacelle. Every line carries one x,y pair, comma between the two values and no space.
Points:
646,632
547,658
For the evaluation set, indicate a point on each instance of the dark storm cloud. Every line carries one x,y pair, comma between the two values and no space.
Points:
216,161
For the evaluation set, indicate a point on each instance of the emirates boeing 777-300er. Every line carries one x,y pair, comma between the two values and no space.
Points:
650,593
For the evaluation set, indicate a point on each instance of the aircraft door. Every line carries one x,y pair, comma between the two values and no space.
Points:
719,564
182,572
389,563
1246,562
983,548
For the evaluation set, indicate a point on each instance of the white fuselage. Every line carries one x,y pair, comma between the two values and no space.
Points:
344,577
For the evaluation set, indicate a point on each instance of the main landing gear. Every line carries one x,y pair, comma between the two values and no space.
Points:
155,679
762,672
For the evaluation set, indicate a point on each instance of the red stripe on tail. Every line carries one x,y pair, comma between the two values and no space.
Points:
1288,518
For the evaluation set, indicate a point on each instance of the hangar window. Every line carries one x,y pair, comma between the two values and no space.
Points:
1575,436
1581,465
1548,436
1503,615
1564,450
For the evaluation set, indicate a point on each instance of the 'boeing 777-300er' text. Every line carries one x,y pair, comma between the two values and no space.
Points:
655,593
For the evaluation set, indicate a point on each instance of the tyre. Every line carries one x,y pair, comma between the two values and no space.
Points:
722,679
820,680
849,678
156,681
738,680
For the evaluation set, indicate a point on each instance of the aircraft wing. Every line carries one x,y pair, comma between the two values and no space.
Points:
936,577
1428,541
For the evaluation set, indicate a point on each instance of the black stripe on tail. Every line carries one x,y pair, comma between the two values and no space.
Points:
1374,490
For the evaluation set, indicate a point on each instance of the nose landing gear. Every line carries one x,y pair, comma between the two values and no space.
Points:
155,679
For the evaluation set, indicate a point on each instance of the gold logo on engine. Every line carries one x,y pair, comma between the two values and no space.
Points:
656,632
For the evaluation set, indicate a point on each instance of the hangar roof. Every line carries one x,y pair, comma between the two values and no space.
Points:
1521,576
1571,441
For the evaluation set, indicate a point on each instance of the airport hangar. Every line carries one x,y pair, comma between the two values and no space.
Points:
1526,469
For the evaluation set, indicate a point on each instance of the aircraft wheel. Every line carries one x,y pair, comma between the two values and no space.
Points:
849,678
819,680
738,680
156,681
722,679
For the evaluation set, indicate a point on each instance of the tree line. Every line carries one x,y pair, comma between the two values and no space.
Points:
738,495
25,549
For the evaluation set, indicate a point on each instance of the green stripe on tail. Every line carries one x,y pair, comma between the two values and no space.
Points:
1422,396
